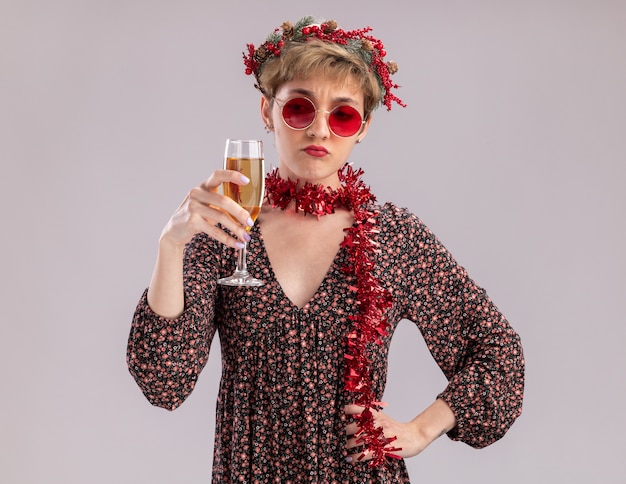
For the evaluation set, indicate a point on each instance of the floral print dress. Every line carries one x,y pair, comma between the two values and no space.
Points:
280,406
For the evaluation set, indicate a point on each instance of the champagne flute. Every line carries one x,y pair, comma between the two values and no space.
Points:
246,157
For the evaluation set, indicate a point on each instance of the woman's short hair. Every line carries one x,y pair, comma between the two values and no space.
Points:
301,60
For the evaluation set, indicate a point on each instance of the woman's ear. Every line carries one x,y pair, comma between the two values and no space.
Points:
266,113
364,129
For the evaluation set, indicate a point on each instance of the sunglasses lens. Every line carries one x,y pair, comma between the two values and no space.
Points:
298,113
345,121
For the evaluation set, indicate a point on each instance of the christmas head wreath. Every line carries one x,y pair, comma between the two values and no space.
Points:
357,41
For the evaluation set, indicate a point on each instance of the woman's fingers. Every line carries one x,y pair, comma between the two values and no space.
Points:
220,176
353,427
353,409
207,194
216,214
204,208
359,457
216,208
354,443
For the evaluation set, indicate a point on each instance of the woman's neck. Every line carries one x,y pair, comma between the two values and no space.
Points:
315,199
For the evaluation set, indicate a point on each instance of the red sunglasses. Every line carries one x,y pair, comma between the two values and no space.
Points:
300,113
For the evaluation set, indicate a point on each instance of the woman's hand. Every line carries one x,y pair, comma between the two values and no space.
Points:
408,437
411,437
203,208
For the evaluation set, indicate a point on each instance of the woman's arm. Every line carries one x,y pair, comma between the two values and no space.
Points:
173,326
411,437
166,355
469,338
165,293
200,212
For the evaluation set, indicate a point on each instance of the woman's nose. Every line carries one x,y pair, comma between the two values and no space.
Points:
319,127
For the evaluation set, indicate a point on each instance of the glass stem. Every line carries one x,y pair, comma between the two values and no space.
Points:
242,266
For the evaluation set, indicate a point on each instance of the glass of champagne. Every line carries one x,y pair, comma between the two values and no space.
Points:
246,157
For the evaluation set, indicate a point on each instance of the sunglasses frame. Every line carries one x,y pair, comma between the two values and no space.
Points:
282,104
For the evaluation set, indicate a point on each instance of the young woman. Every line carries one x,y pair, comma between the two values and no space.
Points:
305,355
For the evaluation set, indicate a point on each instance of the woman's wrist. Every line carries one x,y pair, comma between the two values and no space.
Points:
165,293
170,246
435,421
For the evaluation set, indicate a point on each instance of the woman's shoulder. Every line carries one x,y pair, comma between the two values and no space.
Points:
395,221
390,209
390,215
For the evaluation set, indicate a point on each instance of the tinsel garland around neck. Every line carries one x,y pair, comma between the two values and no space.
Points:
369,324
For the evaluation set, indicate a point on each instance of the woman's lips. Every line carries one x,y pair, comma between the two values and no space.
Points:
317,151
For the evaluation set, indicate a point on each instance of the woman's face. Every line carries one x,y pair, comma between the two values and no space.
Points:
313,154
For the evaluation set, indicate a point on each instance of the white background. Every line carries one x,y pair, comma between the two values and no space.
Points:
512,149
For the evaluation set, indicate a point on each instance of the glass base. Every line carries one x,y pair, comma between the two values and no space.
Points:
240,279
